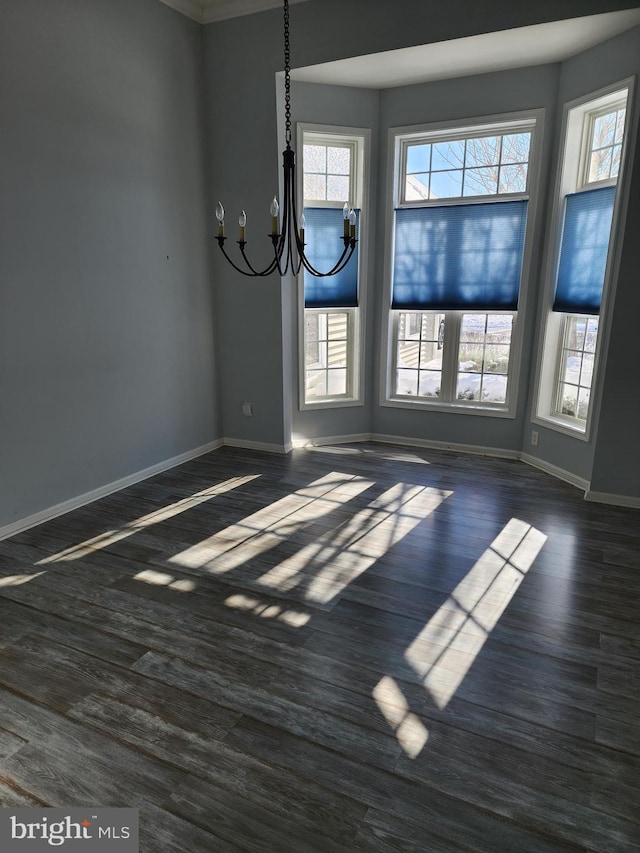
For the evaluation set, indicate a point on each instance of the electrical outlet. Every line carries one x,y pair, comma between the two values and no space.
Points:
247,409
534,437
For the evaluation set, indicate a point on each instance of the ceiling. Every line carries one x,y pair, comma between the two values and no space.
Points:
535,45
516,48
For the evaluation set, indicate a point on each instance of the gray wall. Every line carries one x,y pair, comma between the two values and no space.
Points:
107,359
242,56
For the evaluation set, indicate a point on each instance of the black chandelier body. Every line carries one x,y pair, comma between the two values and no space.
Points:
288,240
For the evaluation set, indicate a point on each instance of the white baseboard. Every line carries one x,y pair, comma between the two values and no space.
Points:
613,499
102,492
555,471
108,489
479,450
406,442
257,445
331,439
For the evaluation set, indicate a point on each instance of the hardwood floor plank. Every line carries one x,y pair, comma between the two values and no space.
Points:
13,798
389,834
501,694
527,797
160,829
254,827
47,767
221,772
405,800
379,749
74,675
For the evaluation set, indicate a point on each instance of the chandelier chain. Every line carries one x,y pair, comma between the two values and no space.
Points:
287,75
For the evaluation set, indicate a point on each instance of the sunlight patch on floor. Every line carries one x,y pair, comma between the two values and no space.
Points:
156,578
18,580
110,537
446,648
412,735
270,527
252,605
346,450
326,566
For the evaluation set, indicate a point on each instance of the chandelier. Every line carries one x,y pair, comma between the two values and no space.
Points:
287,235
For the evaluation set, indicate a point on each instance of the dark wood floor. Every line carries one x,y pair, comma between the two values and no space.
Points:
358,648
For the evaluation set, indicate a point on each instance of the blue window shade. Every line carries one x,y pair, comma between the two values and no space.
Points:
324,227
583,252
466,256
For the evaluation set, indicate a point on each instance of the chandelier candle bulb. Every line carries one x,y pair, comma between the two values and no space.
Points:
242,222
301,228
352,224
275,210
345,215
220,218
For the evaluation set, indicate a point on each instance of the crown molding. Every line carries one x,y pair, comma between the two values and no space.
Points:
191,8
210,11
221,10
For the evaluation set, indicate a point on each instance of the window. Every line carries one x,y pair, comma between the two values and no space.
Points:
477,166
591,163
327,343
576,359
461,199
327,171
333,163
606,132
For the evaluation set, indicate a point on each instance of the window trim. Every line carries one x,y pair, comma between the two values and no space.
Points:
360,137
474,126
573,151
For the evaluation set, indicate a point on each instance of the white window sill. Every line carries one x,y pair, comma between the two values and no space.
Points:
558,424
331,403
451,408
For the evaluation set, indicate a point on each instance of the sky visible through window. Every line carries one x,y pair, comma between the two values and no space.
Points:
462,168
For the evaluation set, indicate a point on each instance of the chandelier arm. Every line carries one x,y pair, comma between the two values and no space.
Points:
266,271
253,273
296,267
290,198
339,265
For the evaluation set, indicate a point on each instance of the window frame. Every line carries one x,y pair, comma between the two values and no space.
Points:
359,140
572,176
590,119
398,137
465,134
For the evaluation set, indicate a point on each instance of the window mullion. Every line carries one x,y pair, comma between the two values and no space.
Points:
450,348
562,337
